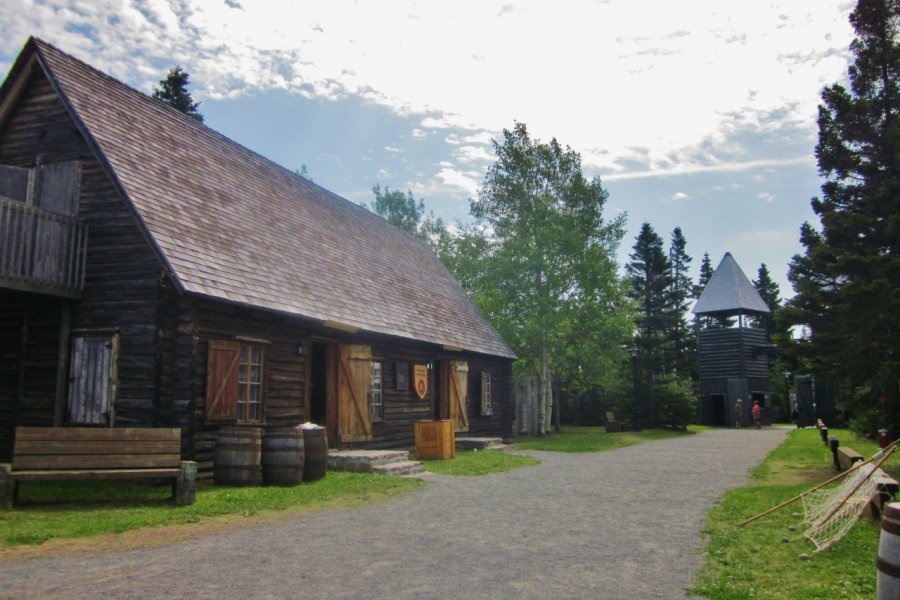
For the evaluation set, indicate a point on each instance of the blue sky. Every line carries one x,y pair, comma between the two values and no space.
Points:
698,113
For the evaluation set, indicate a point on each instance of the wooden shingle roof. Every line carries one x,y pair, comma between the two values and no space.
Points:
729,292
232,225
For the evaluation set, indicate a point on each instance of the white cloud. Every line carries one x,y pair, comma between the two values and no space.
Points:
383,174
766,196
692,77
393,150
680,196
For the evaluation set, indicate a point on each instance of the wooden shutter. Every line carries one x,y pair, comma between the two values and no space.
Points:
354,385
459,381
93,379
14,182
60,186
222,380
487,408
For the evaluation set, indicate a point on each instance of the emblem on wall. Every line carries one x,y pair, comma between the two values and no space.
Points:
420,379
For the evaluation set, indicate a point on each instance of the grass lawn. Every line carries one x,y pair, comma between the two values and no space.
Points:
76,509
754,561
595,439
473,462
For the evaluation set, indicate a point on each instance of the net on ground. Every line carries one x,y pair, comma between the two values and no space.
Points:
830,512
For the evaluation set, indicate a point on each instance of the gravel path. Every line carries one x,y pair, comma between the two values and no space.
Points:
618,524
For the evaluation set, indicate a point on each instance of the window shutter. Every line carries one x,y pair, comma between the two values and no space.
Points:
222,380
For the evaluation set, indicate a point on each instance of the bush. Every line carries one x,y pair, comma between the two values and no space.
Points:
676,405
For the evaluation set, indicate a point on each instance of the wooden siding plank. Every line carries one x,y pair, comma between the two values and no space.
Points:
94,461
35,475
112,434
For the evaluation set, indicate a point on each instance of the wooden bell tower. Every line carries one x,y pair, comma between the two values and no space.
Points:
733,346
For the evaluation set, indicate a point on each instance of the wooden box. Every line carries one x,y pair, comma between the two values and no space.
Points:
435,440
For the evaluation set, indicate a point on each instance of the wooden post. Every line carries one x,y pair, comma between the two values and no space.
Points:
7,487
185,491
62,365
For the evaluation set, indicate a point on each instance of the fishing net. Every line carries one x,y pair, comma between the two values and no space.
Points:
830,512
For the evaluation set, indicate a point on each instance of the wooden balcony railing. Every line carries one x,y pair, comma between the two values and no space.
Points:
41,251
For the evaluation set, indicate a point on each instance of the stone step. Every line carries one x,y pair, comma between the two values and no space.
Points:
480,443
364,461
408,467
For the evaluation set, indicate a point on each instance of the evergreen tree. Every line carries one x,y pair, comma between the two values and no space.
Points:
706,273
846,282
174,92
769,291
651,278
683,341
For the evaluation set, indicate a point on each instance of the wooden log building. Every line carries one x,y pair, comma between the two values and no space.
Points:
733,350
155,273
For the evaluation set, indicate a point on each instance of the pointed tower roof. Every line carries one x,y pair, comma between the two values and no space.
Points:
729,291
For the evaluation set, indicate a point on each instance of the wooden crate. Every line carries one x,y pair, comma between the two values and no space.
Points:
435,440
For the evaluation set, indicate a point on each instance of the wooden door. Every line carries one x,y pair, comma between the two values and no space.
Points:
457,387
354,384
93,379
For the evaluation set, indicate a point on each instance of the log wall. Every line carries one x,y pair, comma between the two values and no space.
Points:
124,289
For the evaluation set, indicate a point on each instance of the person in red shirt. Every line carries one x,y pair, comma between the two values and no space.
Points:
755,412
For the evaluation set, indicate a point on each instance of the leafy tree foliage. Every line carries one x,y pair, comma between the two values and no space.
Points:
173,91
407,213
847,283
548,261
403,210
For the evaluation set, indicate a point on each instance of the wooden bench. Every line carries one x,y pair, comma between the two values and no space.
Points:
848,456
614,426
54,453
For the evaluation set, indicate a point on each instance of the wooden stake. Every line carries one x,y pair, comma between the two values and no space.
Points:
888,450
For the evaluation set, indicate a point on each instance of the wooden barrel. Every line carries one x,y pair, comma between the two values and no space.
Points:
282,456
315,443
237,456
887,584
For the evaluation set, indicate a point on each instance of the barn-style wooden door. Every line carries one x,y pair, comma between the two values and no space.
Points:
354,384
454,391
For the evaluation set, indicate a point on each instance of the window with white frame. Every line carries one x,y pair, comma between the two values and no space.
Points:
376,395
250,384
486,405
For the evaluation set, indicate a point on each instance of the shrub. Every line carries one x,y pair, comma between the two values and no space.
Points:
676,405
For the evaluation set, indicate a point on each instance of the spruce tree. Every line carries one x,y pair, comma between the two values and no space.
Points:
682,339
847,281
650,274
174,92
770,293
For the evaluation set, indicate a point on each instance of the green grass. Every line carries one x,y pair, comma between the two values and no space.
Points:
754,562
473,462
48,510
594,439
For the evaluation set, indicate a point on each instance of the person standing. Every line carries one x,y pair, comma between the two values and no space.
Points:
738,413
795,415
755,411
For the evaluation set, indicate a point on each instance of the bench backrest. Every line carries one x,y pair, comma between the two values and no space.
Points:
96,448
